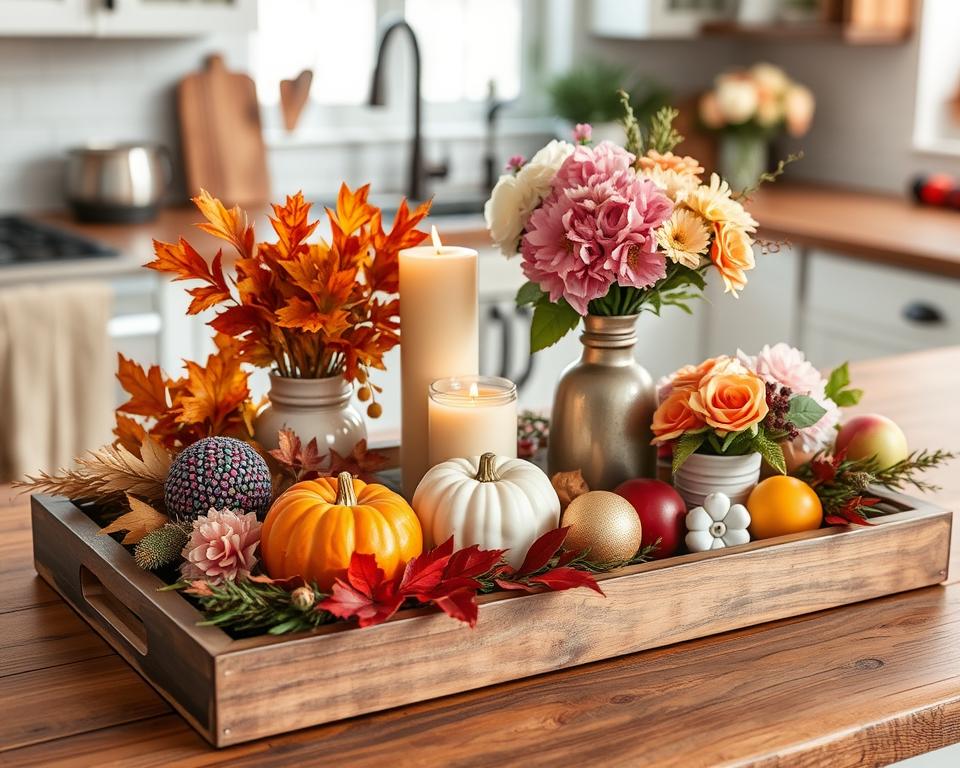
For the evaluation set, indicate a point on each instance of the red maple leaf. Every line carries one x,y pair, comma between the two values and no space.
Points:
542,551
424,573
460,604
566,578
852,512
365,595
471,562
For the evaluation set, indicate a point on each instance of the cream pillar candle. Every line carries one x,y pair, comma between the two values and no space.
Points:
471,415
439,337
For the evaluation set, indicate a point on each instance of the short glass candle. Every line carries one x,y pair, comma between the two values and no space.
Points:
471,415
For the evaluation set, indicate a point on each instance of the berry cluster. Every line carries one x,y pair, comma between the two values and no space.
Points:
778,404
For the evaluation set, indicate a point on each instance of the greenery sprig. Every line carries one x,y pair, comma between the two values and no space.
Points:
843,485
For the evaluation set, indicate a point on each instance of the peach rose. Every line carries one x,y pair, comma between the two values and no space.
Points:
674,416
730,402
732,255
690,376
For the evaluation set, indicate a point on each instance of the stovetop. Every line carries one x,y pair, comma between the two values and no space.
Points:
23,241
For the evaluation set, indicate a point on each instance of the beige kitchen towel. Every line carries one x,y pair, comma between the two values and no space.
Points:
56,375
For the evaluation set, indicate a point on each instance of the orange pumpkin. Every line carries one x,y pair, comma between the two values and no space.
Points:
316,525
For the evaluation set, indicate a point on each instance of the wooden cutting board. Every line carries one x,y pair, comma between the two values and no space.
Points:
223,148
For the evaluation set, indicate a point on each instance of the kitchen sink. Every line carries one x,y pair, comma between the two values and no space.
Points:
442,205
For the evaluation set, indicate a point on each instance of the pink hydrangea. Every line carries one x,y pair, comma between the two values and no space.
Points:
221,546
787,366
588,166
596,228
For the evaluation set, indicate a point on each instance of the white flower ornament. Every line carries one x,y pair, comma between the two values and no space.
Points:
717,524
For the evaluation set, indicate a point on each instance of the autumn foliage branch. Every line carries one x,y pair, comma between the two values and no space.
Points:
307,309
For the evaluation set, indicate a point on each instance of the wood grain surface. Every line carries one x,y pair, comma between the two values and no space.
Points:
861,685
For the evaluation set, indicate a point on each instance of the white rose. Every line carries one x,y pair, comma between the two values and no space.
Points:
514,198
770,79
737,99
507,211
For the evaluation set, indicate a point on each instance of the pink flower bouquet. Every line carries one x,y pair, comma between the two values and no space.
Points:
608,230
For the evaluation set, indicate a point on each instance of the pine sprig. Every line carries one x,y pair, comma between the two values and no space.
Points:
844,486
631,126
663,136
253,607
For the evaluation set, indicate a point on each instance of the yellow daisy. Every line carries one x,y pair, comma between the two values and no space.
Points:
714,204
684,237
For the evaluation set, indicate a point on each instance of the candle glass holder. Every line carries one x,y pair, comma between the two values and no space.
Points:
471,415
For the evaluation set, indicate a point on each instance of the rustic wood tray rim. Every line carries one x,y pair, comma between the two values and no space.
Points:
218,642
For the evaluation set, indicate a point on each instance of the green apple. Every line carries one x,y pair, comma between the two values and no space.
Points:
873,436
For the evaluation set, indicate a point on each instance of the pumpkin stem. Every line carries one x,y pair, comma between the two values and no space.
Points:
345,494
487,471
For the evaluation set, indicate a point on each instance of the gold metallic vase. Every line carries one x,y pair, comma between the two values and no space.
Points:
603,407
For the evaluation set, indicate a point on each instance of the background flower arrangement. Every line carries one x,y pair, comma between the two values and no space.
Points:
759,100
608,230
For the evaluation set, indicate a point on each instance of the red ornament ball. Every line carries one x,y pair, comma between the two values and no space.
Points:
662,512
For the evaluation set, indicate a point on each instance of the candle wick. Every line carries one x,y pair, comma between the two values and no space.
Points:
435,236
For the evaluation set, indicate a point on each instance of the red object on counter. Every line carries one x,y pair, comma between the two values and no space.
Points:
937,189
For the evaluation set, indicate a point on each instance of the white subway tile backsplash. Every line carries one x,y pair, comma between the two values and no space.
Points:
60,93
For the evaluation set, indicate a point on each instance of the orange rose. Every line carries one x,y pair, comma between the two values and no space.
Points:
732,255
691,376
673,417
731,402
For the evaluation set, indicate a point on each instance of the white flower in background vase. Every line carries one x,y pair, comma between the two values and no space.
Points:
515,197
717,524
736,98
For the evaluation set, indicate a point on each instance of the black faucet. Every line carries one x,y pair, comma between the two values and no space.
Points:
416,184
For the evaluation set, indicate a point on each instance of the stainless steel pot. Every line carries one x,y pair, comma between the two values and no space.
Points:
117,182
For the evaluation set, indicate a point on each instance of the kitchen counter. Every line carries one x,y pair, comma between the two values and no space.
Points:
884,229
861,685
134,242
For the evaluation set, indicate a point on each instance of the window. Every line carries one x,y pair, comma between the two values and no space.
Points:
465,45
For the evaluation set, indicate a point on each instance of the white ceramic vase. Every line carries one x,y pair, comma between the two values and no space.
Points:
313,408
700,475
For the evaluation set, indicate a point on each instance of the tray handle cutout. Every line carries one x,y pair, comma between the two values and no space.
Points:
113,611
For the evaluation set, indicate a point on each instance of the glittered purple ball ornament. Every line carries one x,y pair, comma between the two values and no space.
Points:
219,472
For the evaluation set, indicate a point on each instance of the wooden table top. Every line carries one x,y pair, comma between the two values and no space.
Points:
861,685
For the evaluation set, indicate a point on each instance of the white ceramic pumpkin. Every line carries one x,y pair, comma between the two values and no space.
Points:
491,501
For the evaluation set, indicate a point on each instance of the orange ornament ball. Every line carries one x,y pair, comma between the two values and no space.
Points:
781,505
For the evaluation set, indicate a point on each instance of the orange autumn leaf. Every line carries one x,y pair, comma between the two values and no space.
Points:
307,316
290,222
215,392
130,433
147,389
184,262
353,210
230,225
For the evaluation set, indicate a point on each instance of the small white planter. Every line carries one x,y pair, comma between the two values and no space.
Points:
701,475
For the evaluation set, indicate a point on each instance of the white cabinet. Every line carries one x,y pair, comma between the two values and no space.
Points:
854,310
766,312
126,18
46,17
158,18
640,19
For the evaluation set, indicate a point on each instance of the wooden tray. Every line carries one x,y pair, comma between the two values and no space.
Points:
236,690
